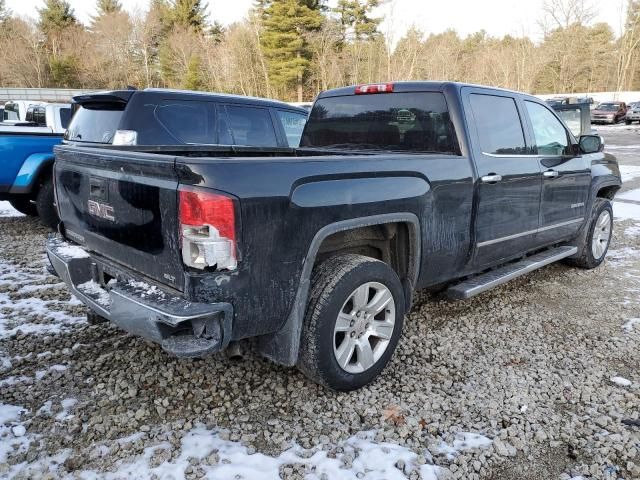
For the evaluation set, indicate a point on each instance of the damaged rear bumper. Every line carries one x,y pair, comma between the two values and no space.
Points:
184,328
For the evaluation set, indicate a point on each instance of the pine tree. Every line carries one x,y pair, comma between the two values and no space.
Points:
105,7
55,16
189,14
286,22
5,13
356,20
193,77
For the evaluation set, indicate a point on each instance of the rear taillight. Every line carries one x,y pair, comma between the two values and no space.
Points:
374,88
125,137
208,228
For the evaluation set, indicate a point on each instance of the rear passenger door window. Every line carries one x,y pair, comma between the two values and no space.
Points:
293,124
498,123
188,122
550,135
251,126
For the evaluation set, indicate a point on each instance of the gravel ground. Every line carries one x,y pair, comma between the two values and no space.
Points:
535,380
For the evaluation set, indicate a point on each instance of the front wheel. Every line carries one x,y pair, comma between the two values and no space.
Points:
46,206
594,241
353,322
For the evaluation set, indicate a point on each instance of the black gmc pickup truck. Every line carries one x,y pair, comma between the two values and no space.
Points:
314,252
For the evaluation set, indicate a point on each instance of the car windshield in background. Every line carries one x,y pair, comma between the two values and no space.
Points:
95,123
11,112
408,122
608,107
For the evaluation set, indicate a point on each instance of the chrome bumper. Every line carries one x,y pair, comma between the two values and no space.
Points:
184,328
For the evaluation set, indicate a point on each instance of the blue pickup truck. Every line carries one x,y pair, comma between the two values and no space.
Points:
25,176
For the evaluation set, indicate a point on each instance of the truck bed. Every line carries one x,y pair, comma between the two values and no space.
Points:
283,198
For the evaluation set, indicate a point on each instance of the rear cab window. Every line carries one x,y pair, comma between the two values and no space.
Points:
166,121
415,122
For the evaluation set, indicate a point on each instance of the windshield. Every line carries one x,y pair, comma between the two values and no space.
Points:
11,112
407,122
95,123
608,107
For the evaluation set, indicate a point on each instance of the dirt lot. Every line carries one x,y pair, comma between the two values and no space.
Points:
536,380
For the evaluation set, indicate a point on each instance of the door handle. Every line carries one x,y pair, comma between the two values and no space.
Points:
550,174
493,178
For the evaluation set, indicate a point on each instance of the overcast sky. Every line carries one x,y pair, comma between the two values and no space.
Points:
498,17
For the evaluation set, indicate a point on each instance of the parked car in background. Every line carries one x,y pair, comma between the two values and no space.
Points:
175,117
49,118
633,113
314,253
577,116
16,110
25,177
609,112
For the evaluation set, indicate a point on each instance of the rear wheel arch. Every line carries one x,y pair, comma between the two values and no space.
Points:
282,347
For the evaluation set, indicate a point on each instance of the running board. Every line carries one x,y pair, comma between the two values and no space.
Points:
481,283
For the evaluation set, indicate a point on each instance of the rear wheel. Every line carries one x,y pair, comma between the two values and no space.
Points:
594,241
24,205
353,322
45,204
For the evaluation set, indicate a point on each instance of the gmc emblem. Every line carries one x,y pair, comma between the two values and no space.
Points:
101,210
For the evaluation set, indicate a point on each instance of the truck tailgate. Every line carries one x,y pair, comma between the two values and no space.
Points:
122,205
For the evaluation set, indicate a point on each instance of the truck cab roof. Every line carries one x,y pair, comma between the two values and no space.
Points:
125,96
421,86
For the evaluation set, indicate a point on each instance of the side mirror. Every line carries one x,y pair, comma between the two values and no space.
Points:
591,143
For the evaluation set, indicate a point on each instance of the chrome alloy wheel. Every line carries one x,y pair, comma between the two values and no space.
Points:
601,235
364,327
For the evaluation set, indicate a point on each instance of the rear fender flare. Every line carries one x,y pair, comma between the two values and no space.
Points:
282,346
30,172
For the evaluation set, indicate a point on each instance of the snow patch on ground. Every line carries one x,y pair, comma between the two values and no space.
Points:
67,405
633,195
622,147
629,172
629,325
632,231
30,314
223,459
6,210
462,442
621,381
9,441
622,256
40,374
626,211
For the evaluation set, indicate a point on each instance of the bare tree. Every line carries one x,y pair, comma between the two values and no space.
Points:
564,13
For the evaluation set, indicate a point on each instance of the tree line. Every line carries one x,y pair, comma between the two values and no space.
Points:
292,49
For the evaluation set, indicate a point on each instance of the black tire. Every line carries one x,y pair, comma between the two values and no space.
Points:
333,283
45,204
24,205
585,257
628,122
